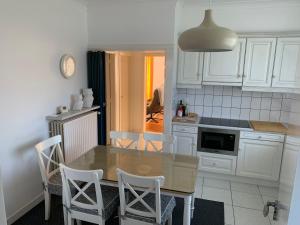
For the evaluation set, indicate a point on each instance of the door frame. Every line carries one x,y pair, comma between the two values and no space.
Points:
170,79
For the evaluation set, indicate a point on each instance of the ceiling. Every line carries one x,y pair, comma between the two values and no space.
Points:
207,2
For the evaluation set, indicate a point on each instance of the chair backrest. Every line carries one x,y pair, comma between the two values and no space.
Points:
49,156
155,105
80,198
157,142
149,184
124,139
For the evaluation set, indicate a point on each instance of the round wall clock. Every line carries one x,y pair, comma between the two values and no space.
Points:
67,66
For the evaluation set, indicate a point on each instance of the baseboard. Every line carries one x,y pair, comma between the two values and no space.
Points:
234,178
22,211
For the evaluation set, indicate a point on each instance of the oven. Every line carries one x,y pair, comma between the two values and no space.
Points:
220,141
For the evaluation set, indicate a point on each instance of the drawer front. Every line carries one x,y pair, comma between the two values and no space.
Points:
217,164
293,140
185,129
262,136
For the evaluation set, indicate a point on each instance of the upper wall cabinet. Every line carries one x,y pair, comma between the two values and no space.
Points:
259,60
225,68
287,63
190,67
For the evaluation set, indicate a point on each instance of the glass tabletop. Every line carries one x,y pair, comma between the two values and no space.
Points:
180,171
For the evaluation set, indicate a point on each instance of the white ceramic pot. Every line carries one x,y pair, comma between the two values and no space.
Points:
88,101
77,106
77,97
87,91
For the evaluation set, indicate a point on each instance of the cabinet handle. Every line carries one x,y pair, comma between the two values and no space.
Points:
273,76
214,164
239,76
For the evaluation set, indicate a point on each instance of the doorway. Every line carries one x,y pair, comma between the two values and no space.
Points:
135,91
155,80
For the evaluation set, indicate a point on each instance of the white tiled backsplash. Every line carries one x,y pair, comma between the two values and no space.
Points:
231,102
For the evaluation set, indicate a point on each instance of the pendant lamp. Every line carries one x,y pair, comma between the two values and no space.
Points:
208,37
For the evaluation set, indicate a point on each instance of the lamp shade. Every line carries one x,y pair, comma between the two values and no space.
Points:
208,37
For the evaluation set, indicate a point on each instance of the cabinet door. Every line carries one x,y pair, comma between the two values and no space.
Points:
259,159
287,63
260,53
225,67
190,65
289,165
185,143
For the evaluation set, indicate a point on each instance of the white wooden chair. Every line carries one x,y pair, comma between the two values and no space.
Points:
143,208
93,203
158,142
125,139
48,151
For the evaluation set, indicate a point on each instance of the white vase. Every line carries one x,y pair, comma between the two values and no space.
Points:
87,91
88,101
77,106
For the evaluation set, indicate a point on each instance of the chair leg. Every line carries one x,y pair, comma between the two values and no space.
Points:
70,220
119,215
170,220
65,211
47,197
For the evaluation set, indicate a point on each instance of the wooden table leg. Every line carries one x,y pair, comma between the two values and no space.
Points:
187,210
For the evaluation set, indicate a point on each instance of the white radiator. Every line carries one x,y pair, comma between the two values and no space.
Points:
79,134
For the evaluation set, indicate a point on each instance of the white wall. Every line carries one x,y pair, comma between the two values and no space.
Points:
245,17
2,206
34,35
126,23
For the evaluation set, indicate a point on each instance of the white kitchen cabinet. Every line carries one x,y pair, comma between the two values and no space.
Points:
259,61
190,67
185,143
259,159
287,63
289,161
225,68
217,163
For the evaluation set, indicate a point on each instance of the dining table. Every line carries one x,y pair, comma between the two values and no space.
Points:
180,171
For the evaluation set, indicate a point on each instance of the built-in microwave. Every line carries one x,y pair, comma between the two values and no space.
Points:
221,141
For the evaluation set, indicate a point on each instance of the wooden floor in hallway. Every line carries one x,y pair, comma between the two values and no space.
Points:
158,126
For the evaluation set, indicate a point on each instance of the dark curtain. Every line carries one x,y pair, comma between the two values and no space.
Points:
96,81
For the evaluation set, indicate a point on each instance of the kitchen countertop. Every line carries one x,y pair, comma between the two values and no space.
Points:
264,126
293,130
198,124
259,126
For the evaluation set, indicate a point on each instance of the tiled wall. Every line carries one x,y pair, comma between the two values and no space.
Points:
231,102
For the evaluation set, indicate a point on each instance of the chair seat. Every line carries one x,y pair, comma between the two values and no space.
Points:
55,184
110,196
168,203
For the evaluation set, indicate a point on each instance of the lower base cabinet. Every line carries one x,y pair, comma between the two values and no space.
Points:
259,159
217,163
185,143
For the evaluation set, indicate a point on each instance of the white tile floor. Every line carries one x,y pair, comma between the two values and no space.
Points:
243,203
